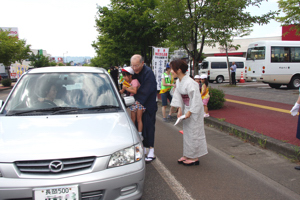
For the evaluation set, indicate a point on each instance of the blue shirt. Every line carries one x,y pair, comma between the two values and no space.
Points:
233,68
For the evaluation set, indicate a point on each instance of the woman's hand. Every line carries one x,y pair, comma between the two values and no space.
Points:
188,114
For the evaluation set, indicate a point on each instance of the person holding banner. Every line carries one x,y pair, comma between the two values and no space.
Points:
186,99
131,86
146,95
167,82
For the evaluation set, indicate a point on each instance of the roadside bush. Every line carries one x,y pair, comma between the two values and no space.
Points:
216,100
6,82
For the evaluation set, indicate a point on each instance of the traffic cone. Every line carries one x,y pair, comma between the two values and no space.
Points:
181,131
242,78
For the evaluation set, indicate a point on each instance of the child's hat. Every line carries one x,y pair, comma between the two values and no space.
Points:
197,76
203,76
128,69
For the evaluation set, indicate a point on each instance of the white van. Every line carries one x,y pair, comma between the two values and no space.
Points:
216,68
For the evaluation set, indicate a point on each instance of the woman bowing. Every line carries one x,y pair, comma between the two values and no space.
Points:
187,99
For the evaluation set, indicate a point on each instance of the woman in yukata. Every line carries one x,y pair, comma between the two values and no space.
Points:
187,99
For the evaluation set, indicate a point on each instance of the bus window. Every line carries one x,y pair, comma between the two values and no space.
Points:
204,65
256,53
295,54
280,54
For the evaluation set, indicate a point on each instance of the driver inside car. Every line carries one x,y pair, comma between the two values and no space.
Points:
50,95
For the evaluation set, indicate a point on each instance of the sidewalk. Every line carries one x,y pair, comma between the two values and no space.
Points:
271,129
5,88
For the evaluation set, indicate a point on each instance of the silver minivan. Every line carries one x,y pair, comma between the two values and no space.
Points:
65,134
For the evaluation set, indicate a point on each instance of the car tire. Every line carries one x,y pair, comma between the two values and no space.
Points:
276,86
294,83
219,79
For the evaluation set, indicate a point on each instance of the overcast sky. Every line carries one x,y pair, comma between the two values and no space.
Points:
60,26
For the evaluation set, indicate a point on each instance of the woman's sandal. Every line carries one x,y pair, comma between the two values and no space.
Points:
180,161
191,162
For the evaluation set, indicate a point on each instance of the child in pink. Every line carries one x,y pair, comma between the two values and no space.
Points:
137,109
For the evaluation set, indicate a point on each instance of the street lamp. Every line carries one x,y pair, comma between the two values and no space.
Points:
64,56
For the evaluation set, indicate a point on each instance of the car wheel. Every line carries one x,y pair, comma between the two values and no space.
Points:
219,79
294,83
276,86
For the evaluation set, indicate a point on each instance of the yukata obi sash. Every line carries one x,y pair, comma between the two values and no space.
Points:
186,99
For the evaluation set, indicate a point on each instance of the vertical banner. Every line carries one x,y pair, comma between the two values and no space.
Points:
159,62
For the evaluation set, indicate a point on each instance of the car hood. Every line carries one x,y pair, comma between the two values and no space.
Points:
63,136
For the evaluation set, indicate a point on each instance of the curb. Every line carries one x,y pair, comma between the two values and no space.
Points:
5,88
288,150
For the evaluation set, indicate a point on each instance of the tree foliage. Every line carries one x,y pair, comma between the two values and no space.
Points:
12,49
207,22
292,10
125,28
40,60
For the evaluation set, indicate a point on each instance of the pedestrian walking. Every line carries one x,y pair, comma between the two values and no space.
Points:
205,93
186,99
146,95
136,109
294,111
233,71
167,83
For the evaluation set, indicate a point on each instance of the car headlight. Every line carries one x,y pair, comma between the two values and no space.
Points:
126,156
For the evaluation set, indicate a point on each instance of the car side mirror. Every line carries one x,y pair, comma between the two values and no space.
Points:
129,100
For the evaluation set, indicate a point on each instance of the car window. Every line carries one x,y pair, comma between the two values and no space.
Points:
238,64
218,65
204,65
50,90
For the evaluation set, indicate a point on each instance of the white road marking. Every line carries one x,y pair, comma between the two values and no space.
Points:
176,186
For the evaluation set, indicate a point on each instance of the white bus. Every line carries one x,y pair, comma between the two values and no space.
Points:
216,68
274,62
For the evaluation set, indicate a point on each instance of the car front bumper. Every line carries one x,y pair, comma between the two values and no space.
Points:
125,182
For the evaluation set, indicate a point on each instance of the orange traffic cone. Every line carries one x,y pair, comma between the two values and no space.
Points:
242,78
181,131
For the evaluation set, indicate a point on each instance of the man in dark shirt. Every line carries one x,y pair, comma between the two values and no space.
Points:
114,72
146,95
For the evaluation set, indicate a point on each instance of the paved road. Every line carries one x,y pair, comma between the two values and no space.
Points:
261,91
231,170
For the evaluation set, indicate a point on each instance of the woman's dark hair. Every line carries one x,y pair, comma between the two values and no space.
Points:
179,64
206,82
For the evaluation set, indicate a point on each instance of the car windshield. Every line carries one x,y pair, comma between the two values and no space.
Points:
62,93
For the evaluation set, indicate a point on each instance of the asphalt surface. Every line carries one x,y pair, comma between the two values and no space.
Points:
233,169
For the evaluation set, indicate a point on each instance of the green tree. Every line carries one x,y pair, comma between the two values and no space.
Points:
292,10
207,22
127,27
12,49
39,60
235,22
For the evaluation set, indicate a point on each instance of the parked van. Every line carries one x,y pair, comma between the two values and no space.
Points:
216,68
